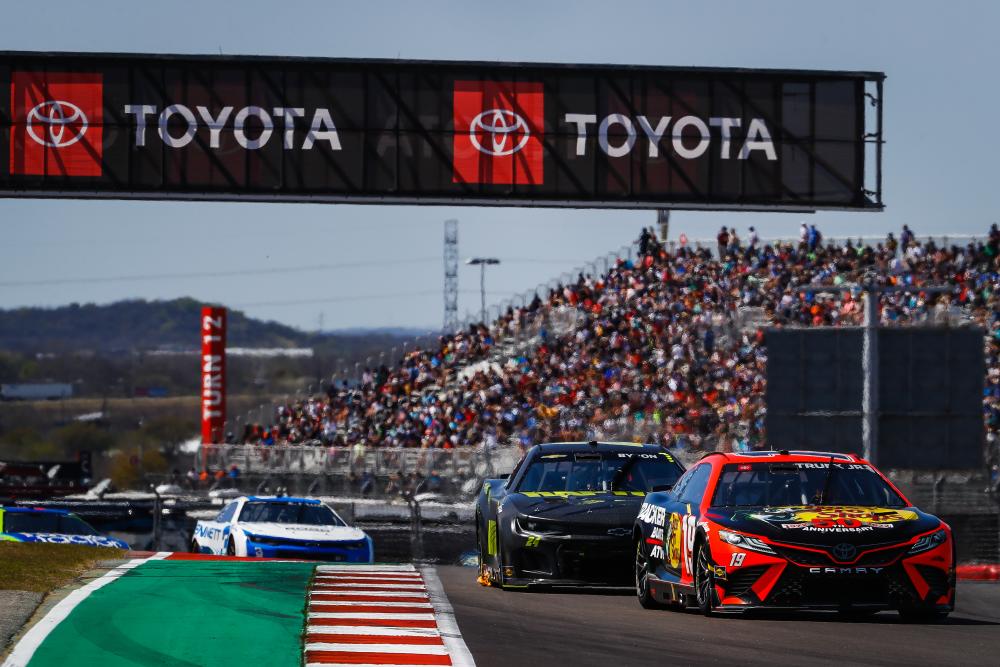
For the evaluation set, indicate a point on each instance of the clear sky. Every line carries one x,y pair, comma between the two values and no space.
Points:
940,162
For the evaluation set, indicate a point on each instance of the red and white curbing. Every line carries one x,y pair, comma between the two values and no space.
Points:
381,615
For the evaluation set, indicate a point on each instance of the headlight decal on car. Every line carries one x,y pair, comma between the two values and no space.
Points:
747,542
928,542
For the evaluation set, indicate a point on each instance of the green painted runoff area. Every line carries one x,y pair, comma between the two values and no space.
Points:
187,613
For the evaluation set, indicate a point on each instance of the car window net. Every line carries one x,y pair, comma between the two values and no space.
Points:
777,485
599,472
295,513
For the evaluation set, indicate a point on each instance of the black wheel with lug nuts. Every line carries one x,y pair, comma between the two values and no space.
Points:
642,591
704,581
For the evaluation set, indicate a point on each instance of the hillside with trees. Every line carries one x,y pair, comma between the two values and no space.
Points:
120,349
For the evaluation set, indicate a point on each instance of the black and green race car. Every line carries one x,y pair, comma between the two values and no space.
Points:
564,516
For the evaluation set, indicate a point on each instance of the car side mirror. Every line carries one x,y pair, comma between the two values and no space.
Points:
663,487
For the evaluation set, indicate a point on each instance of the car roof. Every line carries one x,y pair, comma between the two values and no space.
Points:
594,445
283,500
34,510
786,456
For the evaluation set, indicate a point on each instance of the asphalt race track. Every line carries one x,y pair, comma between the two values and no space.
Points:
610,629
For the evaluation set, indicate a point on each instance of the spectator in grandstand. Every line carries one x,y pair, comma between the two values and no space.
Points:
394,486
905,237
646,240
723,242
367,485
891,244
814,238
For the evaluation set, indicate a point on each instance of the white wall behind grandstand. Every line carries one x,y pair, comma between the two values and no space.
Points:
939,166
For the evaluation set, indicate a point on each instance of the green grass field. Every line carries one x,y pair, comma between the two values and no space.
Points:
42,568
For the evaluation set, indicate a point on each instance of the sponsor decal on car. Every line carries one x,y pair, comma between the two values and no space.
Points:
674,541
208,532
652,514
57,538
834,519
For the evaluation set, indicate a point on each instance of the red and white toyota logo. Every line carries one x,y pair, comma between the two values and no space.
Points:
57,123
498,132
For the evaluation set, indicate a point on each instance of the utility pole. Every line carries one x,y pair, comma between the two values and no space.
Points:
482,263
450,276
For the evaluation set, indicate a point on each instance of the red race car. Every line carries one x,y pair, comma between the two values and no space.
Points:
791,530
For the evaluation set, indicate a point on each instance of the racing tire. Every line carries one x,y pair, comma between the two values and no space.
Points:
484,578
231,547
704,581
642,591
498,582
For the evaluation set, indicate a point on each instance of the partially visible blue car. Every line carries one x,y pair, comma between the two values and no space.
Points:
53,526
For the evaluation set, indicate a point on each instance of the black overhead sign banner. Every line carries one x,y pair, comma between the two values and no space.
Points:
291,129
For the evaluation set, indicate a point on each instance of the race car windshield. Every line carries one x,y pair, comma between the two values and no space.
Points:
599,472
43,522
793,484
298,513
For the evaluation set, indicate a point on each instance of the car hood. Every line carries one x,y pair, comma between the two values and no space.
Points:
303,532
580,507
60,538
827,525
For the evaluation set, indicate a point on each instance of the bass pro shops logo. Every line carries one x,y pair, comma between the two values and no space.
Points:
498,132
57,123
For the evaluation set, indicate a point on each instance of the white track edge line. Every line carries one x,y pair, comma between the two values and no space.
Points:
338,604
365,568
375,616
313,631
445,613
405,649
33,638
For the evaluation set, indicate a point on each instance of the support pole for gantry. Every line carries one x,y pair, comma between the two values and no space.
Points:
663,220
869,354
869,377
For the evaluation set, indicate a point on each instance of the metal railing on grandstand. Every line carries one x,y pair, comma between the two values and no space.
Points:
940,240
315,459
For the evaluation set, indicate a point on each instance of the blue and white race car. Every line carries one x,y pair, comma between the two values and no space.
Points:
282,527
53,526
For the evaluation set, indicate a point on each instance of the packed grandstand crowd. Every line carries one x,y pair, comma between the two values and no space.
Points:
668,347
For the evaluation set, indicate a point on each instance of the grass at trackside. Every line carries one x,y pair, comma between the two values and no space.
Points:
32,566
